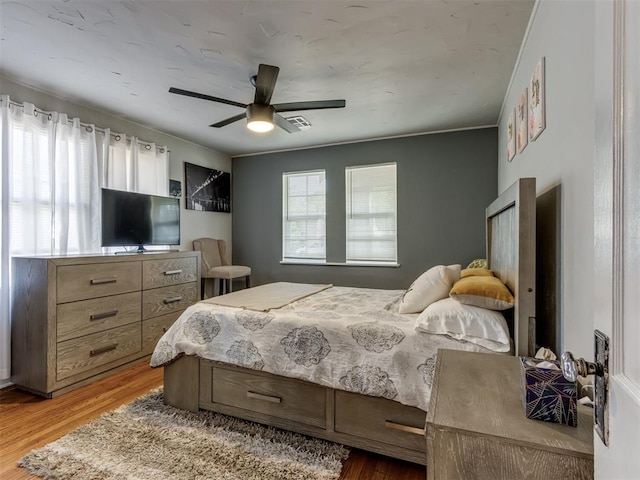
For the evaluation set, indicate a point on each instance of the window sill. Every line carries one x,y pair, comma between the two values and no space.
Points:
339,264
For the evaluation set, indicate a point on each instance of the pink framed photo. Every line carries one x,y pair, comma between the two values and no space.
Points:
536,101
511,136
521,122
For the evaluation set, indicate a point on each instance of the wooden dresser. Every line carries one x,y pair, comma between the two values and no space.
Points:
477,429
78,318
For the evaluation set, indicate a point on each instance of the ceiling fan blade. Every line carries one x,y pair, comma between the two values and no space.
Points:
202,96
265,83
229,120
285,124
314,105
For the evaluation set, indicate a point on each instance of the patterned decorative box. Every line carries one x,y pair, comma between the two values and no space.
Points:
547,395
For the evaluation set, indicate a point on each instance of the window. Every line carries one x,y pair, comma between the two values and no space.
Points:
371,213
303,216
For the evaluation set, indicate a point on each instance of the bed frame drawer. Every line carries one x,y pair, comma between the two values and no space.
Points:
285,398
381,420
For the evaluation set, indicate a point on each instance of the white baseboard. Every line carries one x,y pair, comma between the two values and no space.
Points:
5,384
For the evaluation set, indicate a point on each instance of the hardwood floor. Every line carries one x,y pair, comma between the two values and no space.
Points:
28,421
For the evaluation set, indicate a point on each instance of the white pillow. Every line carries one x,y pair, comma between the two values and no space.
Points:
483,327
431,286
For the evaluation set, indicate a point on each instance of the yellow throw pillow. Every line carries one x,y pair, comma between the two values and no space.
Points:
476,272
478,263
482,291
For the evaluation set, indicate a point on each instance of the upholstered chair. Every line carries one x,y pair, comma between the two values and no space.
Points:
216,266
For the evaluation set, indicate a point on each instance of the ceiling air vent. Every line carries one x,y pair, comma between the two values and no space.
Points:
300,122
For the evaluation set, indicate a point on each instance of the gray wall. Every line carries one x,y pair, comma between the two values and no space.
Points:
561,158
445,181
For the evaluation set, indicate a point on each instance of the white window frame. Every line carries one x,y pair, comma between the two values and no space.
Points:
353,255
315,248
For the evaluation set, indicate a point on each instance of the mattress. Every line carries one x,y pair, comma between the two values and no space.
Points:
351,339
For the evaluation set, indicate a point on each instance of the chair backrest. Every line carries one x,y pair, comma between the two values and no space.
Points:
222,248
213,252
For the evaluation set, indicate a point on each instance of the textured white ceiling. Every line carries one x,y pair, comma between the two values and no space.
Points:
403,67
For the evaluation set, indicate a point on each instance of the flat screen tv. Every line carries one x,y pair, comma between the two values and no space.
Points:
137,219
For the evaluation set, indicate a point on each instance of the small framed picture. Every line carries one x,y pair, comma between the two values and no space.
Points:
521,122
175,188
536,101
511,136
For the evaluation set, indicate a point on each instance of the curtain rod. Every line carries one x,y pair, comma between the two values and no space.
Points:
117,136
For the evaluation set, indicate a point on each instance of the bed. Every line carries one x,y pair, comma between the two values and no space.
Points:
240,354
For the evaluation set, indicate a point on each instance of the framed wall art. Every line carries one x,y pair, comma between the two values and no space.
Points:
537,101
175,188
511,136
521,122
207,189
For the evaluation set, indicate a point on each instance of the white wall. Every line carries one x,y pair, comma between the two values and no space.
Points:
193,224
563,33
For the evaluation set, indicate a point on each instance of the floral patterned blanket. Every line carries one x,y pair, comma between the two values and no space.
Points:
346,338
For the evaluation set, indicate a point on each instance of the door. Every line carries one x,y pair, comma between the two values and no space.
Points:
617,228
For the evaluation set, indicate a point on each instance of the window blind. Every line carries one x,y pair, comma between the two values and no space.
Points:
304,216
371,213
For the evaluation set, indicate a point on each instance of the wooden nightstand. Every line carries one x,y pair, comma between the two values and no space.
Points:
477,429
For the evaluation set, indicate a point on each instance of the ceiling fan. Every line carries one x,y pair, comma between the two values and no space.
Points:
261,115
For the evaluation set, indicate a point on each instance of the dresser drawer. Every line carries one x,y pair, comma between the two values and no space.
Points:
289,399
161,301
85,353
90,316
172,271
80,282
380,419
154,328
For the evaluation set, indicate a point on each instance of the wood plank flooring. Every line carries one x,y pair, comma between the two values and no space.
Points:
28,421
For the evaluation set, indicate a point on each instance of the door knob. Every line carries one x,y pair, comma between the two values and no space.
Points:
571,367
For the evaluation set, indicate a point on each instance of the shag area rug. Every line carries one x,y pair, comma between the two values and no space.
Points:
148,440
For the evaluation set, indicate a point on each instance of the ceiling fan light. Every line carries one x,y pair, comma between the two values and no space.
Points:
259,126
260,117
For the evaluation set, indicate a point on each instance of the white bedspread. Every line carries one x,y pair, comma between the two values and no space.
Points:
350,339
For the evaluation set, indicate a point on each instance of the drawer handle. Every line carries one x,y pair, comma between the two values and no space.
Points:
173,272
102,281
260,396
100,316
404,428
106,349
175,299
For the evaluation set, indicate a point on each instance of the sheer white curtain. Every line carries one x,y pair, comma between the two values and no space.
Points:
134,166
49,195
77,199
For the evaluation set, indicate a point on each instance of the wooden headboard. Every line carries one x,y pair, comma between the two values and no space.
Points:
511,254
